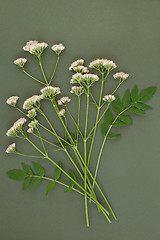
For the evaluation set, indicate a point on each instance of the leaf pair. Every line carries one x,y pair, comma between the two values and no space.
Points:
72,182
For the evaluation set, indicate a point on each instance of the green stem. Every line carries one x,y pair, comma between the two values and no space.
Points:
45,140
40,63
33,77
25,155
78,118
76,190
54,70
41,140
96,123
85,159
76,124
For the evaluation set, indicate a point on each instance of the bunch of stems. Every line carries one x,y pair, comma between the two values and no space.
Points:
82,168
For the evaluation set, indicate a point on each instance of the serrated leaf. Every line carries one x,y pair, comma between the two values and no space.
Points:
126,98
57,172
49,187
119,124
117,105
142,106
27,168
68,189
73,177
114,136
134,93
126,119
38,168
26,182
146,94
104,129
108,118
35,183
17,174
136,110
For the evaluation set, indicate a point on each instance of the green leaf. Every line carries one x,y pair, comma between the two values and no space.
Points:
104,129
27,168
38,168
119,124
35,183
26,182
73,177
57,172
17,174
146,94
134,93
126,98
108,118
136,110
114,136
68,189
126,119
142,106
49,187
117,105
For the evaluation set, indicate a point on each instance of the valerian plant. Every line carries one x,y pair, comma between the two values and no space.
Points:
110,109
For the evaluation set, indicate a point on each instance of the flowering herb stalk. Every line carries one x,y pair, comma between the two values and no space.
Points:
108,107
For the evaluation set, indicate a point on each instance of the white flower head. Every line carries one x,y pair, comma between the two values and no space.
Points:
32,113
29,44
89,79
12,100
38,49
76,63
62,112
31,102
11,148
58,48
64,100
102,64
33,124
50,92
20,62
77,90
109,98
121,76
16,128
76,78
30,130
81,69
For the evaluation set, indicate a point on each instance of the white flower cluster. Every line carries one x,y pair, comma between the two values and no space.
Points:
16,128
121,76
30,130
12,100
58,48
101,64
35,48
20,62
32,101
50,92
89,79
64,100
76,63
11,148
81,69
62,112
109,98
76,78
33,124
32,113
77,90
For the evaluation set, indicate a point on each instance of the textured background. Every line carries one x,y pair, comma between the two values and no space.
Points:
126,32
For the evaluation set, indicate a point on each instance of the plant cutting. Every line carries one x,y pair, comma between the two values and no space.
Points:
112,113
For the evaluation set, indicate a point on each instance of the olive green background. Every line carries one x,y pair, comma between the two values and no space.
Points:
126,32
